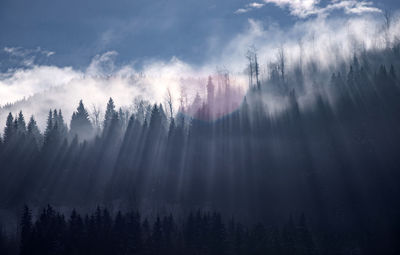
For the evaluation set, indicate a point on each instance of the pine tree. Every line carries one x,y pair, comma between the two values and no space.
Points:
26,230
21,126
33,132
156,120
157,236
62,127
163,116
9,130
52,135
110,112
49,126
196,105
55,116
80,123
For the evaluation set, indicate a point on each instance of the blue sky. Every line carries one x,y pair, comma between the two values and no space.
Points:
75,31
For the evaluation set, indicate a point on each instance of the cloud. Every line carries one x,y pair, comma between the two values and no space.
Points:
27,57
300,8
306,8
22,52
242,10
22,83
351,6
36,89
326,42
102,65
256,5
249,7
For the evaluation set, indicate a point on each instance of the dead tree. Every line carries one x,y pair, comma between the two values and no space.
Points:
282,62
169,103
250,57
387,16
253,66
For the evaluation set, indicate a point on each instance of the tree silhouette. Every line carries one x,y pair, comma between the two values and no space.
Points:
80,123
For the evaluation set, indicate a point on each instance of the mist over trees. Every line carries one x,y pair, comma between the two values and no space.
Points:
330,151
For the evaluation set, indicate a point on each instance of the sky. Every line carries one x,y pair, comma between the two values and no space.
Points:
75,31
55,52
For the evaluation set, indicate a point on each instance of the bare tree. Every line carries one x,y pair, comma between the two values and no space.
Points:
282,62
250,58
257,70
140,108
253,67
387,16
95,117
169,103
183,99
301,51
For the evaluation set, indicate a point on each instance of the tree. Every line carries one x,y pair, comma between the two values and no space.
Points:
141,108
33,132
210,94
21,126
196,105
257,71
169,104
110,112
250,59
80,123
62,127
155,119
9,130
95,118
49,126
253,67
387,16
282,62
26,230
51,132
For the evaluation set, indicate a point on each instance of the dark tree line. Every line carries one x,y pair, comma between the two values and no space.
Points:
200,232
336,158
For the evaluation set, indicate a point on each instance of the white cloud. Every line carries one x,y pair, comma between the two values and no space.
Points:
306,8
102,65
249,7
27,57
36,89
242,10
300,8
256,5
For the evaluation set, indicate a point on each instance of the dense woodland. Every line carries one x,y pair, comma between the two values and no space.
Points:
129,233
335,160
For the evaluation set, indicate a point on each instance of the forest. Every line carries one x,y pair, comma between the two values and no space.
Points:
225,174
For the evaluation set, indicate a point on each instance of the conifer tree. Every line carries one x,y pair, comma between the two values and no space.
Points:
110,112
49,125
21,129
33,131
61,124
9,130
80,123
26,231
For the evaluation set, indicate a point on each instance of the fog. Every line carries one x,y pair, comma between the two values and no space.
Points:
324,42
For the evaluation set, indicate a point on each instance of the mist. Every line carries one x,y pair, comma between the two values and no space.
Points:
324,42
280,136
